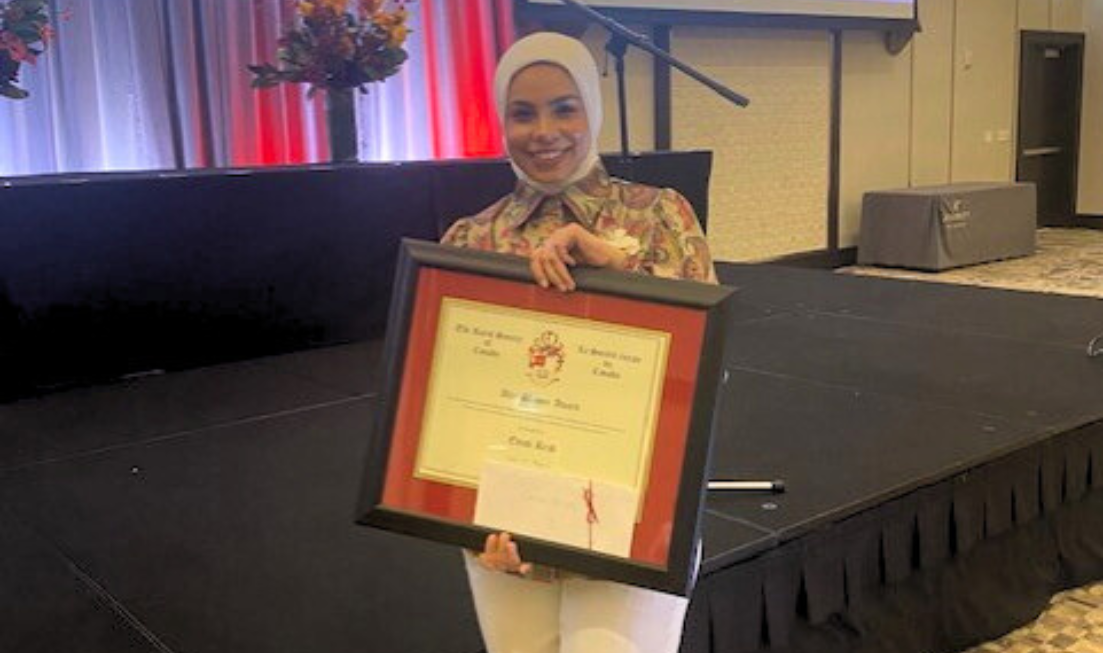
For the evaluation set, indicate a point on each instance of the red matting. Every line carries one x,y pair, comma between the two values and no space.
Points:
686,326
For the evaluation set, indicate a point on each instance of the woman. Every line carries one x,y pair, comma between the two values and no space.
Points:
566,211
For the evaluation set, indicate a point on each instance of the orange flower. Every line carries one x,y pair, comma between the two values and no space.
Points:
337,6
398,36
394,24
306,9
370,8
389,21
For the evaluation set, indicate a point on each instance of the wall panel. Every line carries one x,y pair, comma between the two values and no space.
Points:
770,171
985,70
932,93
1090,200
1033,14
1068,15
876,112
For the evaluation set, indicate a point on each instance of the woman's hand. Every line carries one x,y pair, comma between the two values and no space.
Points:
500,554
569,246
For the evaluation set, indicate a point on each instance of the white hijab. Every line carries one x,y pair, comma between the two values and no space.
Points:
576,60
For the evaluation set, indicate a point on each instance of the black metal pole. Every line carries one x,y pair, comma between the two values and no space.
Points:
618,47
660,34
642,43
175,121
206,123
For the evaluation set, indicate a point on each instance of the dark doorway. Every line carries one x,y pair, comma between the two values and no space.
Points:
1050,79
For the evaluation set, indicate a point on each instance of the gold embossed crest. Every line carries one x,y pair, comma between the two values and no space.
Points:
546,356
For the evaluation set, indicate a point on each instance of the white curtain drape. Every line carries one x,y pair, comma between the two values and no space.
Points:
163,84
97,97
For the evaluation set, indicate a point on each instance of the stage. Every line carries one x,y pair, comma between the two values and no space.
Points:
942,447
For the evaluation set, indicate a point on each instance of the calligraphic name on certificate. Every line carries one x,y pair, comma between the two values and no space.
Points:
552,392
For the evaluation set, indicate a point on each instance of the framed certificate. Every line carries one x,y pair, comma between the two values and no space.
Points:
579,422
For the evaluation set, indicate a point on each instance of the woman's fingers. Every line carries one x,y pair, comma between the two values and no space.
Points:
551,261
558,273
536,265
549,265
506,546
567,247
516,566
500,553
564,253
486,558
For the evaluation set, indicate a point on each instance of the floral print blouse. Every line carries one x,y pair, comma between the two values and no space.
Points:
657,228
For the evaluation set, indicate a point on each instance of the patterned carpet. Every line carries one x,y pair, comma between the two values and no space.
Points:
1067,262
1073,623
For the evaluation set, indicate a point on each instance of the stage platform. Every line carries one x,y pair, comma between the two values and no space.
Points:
942,448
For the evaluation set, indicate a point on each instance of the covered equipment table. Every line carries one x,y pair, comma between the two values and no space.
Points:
941,227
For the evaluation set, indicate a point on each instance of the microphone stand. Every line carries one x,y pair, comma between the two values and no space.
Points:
620,37
618,47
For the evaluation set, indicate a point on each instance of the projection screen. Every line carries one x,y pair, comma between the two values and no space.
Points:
865,9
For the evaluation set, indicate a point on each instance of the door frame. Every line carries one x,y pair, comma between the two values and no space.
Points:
1032,38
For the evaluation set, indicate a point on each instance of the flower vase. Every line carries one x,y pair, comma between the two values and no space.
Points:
341,122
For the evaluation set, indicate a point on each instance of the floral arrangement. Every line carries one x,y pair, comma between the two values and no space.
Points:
333,47
24,32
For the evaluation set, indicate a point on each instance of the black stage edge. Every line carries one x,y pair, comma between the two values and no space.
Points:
1088,221
824,259
114,274
942,448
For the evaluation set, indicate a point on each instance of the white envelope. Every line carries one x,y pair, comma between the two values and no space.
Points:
571,510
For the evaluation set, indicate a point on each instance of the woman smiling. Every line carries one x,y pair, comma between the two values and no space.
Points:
566,211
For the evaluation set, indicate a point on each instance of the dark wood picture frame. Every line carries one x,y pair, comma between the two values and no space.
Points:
681,494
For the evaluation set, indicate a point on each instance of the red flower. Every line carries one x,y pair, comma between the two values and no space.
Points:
24,33
16,48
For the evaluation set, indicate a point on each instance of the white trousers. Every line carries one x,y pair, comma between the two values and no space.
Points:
572,615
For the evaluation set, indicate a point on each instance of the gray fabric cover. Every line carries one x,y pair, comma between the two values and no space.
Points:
941,227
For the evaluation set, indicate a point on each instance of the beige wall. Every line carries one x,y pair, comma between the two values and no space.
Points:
1034,14
769,186
984,103
1068,15
942,110
1091,125
932,83
875,131
1055,15
770,160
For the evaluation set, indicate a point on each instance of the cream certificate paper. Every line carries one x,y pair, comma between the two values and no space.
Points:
560,394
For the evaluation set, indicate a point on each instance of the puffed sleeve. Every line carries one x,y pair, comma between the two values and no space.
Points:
458,234
678,248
